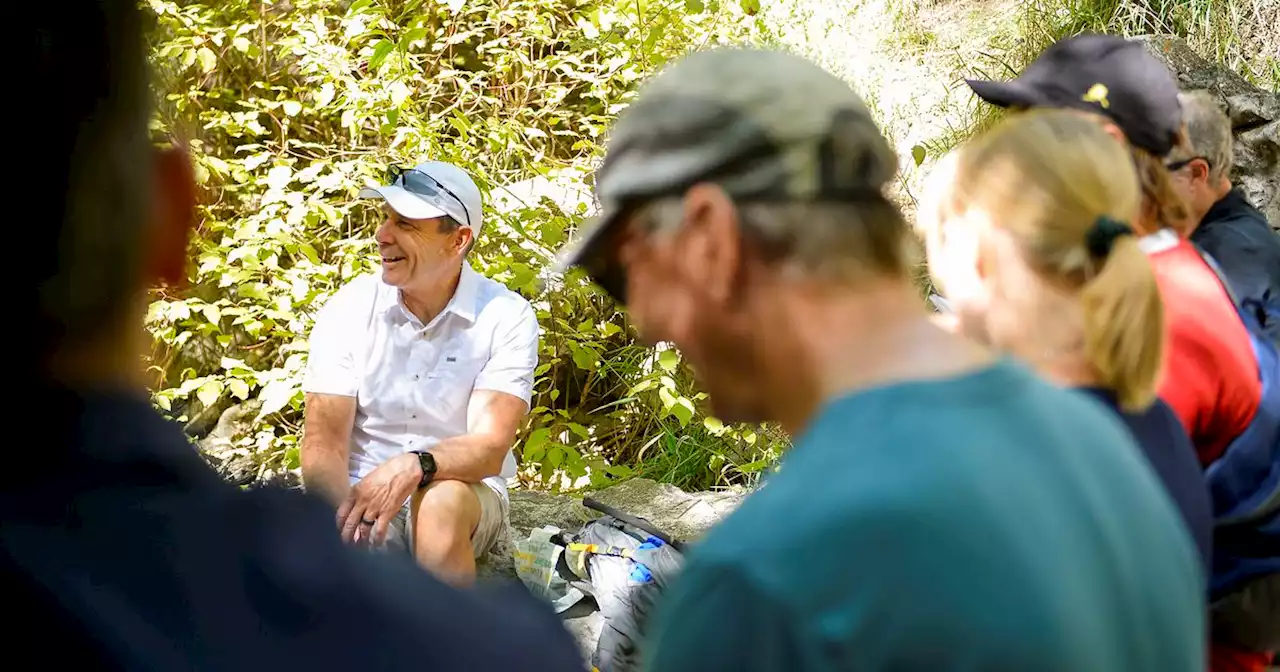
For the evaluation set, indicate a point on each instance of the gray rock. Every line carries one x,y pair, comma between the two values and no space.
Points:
1254,114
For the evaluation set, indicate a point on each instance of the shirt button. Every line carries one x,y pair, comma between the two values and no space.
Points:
415,377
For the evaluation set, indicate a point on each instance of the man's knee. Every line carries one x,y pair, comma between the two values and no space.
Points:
447,507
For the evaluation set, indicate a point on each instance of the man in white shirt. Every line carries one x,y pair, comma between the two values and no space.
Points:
417,382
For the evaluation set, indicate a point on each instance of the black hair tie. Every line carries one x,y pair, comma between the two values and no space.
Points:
1103,234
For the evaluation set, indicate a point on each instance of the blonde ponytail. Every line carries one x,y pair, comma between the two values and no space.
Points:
1124,324
1053,198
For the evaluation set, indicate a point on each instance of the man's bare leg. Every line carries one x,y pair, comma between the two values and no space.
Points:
445,515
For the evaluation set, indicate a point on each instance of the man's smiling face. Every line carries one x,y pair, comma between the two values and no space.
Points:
418,251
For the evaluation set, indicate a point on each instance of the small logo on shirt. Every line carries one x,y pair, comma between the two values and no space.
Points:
450,358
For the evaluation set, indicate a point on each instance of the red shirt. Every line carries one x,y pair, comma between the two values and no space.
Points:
1210,373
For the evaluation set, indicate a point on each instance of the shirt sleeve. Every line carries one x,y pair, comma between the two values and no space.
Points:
331,361
715,618
514,355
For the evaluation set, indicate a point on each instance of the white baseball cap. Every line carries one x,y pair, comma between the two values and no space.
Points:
432,189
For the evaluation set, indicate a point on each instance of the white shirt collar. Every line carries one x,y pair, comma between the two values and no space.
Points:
462,303
1159,241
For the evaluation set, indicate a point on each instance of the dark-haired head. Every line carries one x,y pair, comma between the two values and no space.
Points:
120,210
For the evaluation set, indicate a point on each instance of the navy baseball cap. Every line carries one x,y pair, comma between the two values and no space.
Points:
1104,74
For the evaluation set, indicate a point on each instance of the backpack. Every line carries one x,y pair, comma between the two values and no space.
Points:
625,564
1244,482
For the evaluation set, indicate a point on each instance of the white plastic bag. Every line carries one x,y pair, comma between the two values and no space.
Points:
535,560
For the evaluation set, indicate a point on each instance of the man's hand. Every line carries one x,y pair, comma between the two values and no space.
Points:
375,500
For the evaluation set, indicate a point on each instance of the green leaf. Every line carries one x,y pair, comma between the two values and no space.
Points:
253,290
208,60
239,389
694,6
535,447
619,471
211,313
713,425
668,360
292,107
584,358
640,387
668,399
325,95
241,44
683,410
918,153
275,396
380,52
209,392
555,456
412,36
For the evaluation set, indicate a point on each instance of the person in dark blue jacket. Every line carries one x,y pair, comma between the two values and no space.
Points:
1234,233
121,548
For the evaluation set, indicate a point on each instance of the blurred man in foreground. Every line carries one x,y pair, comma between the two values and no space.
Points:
941,508
122,549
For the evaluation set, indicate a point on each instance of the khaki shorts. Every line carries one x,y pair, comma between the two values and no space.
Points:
493,519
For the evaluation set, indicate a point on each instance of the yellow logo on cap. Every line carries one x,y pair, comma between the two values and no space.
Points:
1097,94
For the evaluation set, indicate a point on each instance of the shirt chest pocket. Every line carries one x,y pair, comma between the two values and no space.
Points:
443,389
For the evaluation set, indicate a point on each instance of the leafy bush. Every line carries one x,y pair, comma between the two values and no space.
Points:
290,108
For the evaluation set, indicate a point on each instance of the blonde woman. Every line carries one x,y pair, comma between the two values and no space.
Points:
1026,230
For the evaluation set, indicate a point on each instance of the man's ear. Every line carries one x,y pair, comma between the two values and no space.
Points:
713,250
466,235
1199,171
173,216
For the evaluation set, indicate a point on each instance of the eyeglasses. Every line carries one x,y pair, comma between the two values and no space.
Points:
417,182
1179,165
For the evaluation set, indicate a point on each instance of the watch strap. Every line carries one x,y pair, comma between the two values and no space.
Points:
428,463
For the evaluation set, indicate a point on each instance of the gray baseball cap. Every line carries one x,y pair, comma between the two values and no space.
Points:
765,125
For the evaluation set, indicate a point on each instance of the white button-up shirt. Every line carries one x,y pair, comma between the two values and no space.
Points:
411,381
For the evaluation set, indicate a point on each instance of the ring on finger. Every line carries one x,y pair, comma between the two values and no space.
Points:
366,521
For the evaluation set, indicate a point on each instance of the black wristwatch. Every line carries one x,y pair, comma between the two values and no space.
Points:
428,463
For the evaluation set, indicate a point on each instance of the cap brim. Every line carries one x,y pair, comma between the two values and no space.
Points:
404,203
1005,94
587,252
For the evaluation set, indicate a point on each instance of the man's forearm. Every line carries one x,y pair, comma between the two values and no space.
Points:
324,470
470,458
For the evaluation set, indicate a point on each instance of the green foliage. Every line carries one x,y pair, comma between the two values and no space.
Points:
1237,33
1240,34
290,108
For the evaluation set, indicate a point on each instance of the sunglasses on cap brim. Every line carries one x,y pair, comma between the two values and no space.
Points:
419,183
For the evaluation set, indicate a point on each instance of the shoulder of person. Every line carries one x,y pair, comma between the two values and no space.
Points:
357,296
501,304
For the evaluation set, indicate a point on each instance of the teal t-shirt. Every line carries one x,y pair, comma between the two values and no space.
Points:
985,522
